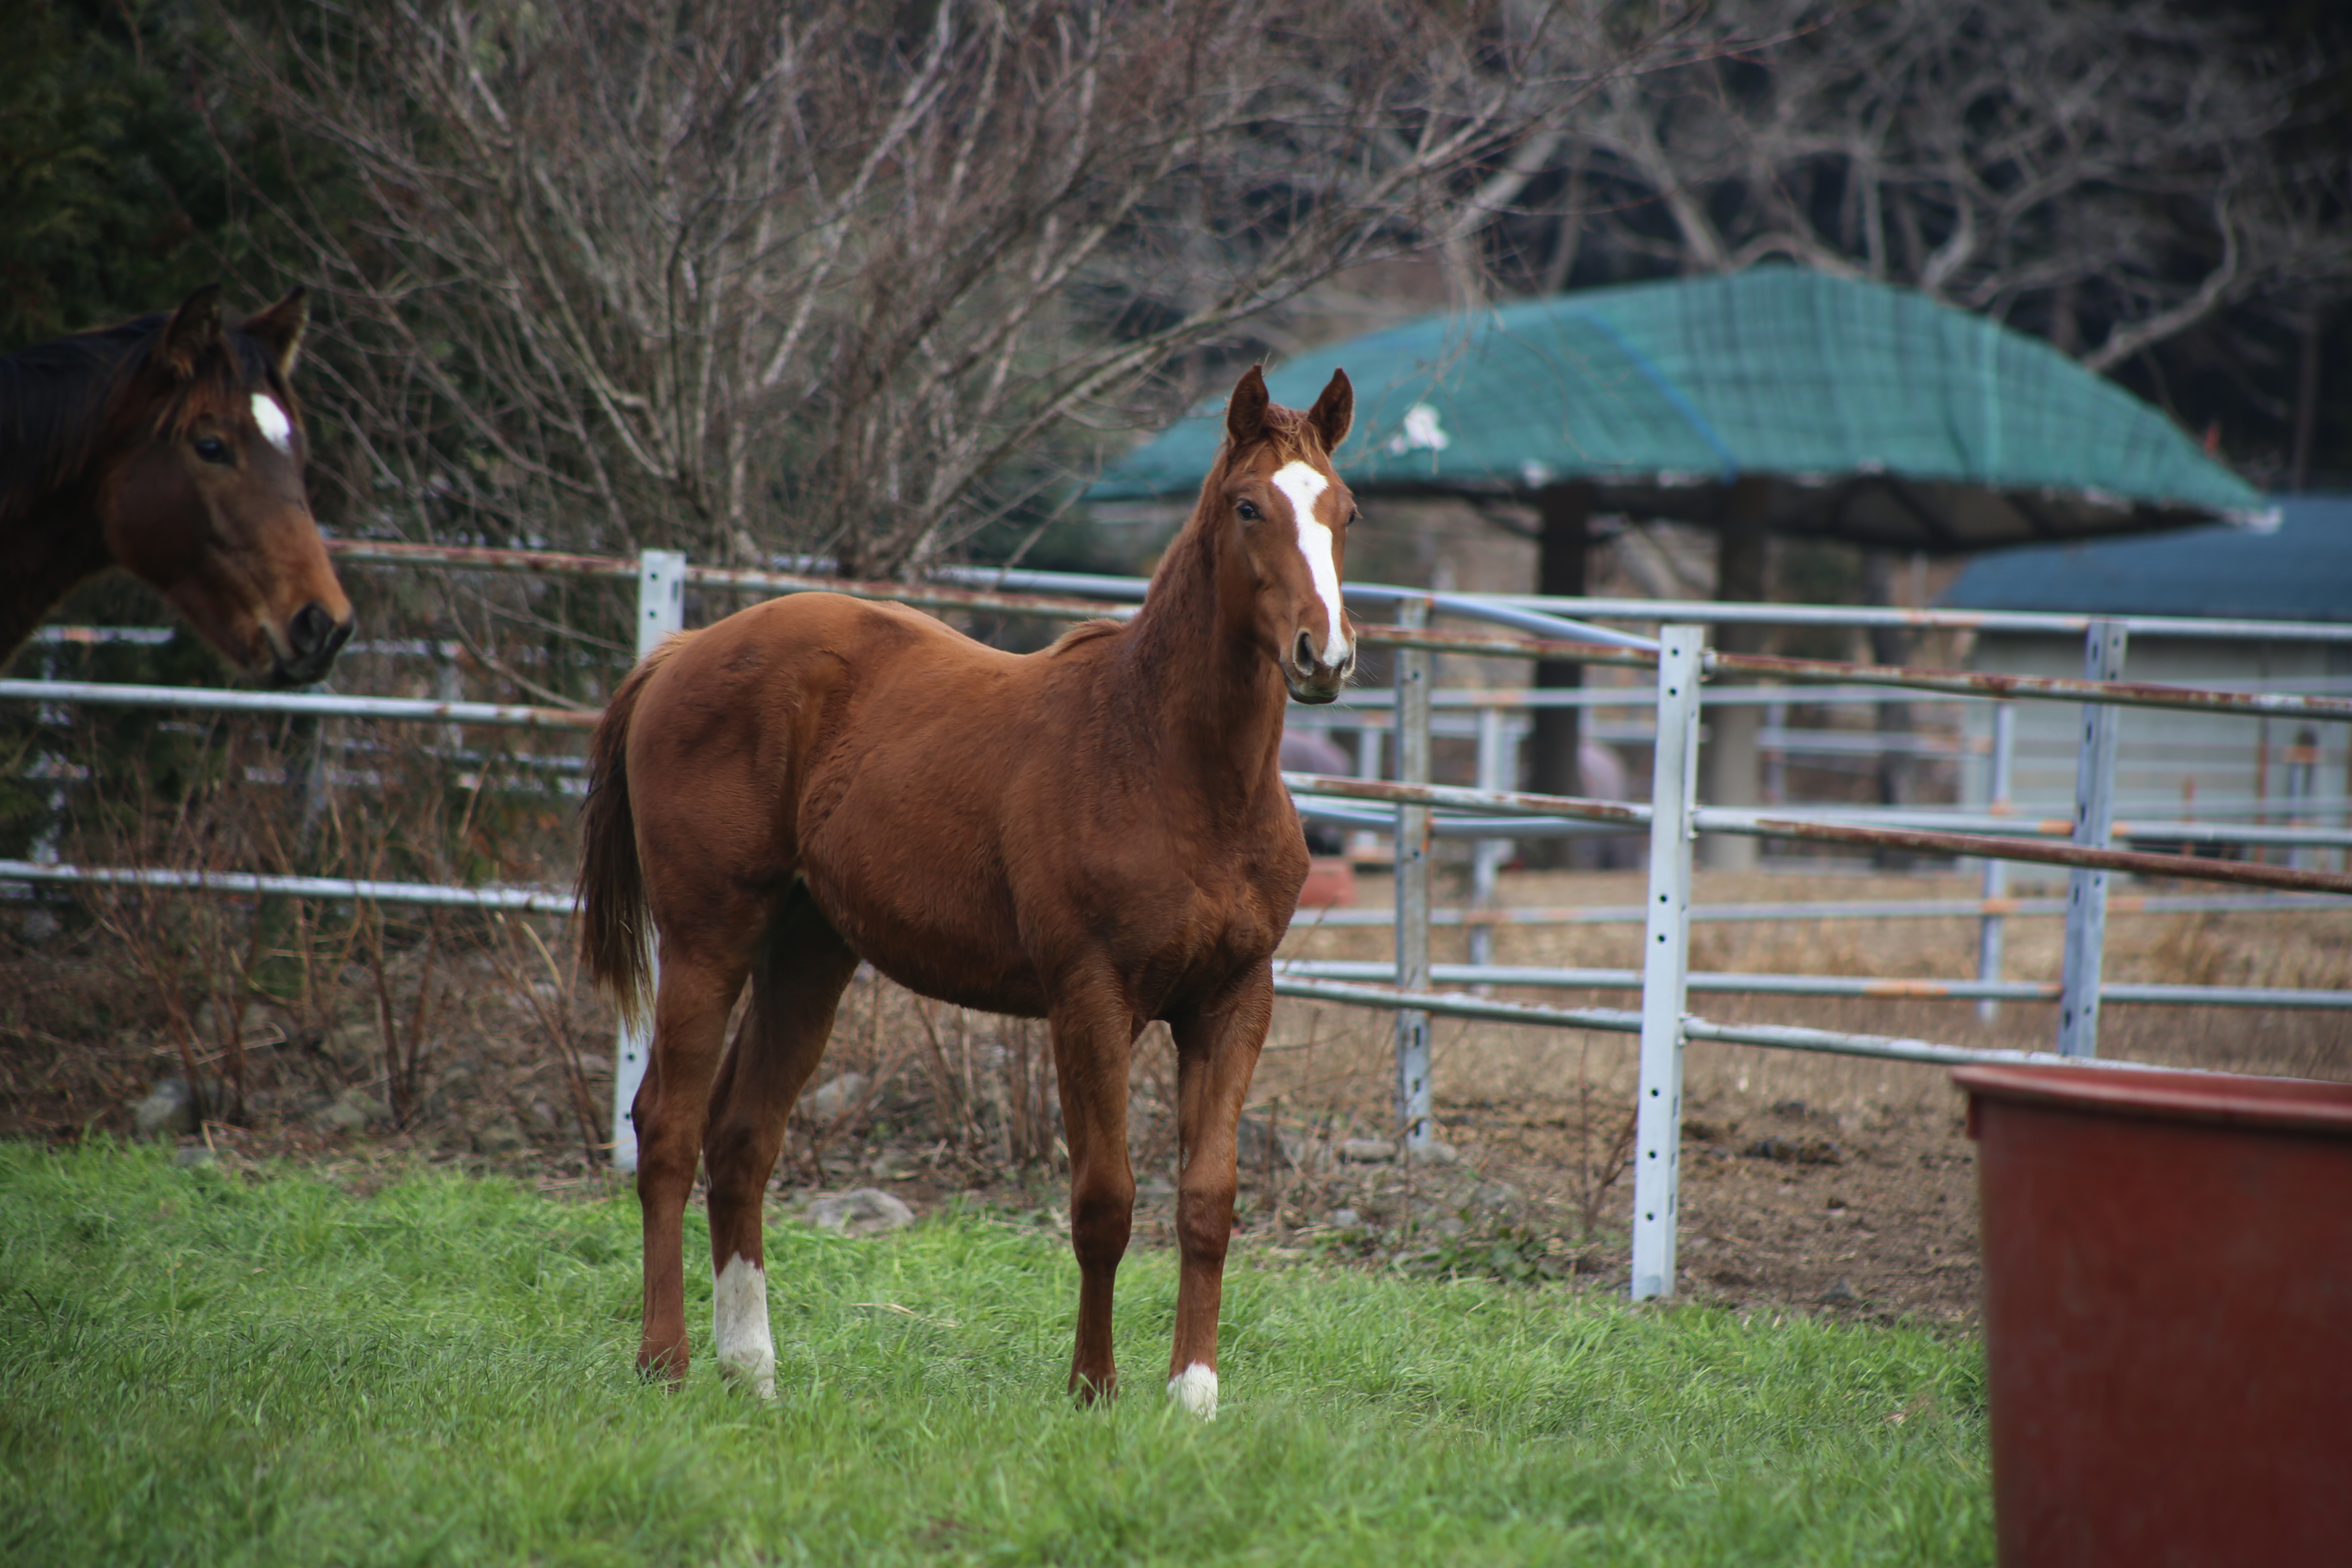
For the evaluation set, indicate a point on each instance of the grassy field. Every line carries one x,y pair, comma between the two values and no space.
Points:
206,1367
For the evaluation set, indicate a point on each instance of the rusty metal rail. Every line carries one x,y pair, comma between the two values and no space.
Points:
1962,683
1493,645
1720,819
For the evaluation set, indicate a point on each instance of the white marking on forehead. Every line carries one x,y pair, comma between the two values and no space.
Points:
276,428
1303,486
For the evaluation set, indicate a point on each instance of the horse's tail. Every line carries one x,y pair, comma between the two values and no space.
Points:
615,926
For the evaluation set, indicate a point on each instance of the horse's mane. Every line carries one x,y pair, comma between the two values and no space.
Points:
1085,632
55,398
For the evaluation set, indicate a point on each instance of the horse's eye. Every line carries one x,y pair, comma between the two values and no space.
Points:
1248,511
211,449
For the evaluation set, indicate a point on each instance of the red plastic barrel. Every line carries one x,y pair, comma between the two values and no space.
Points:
2167,1261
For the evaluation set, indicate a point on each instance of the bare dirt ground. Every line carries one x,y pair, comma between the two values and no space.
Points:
1814,1183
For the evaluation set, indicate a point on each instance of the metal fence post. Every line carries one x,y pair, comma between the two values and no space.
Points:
1666,965
1495,772
2094,813
661,610
2003,764
1411,861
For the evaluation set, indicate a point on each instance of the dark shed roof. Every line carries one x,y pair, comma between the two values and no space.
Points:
1870,414
2300,570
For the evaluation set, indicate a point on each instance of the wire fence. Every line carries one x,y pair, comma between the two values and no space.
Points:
1413,814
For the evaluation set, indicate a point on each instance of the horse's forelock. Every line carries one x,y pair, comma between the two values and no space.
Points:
1287,432
228,374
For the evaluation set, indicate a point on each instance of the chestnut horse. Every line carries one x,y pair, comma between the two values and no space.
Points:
1096,835
172,446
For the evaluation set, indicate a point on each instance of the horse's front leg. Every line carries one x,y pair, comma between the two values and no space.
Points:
1216,1051
1094,1032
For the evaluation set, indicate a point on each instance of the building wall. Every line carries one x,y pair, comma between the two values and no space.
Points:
2176,765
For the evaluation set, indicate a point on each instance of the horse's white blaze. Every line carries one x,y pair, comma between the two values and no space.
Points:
1195,1388
1303,486
739,1306
276,428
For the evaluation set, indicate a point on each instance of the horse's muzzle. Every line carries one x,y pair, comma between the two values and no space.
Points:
307,650
1309,678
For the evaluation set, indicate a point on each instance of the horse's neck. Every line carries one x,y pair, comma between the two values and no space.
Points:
1210,705
44,553
50,539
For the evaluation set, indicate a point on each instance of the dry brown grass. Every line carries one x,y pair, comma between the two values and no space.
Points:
1321,1051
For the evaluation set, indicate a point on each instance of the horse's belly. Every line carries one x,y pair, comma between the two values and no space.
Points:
935,939
963,980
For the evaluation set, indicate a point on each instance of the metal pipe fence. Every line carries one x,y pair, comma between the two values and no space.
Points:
1419,811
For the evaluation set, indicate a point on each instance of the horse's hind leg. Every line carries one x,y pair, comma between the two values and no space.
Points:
802,967
697,990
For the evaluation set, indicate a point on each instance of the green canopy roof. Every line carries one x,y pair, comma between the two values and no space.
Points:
1872,414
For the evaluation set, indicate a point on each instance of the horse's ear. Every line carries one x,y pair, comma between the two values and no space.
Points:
1334,412
280,328
1246,414
195,327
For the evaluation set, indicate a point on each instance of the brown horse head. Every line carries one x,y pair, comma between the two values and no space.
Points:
1292,513
207,503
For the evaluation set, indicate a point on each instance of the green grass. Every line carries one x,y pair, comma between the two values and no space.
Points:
206,1368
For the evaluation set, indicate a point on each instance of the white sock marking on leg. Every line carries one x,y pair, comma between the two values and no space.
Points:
1303,486
739,1309
1195,1388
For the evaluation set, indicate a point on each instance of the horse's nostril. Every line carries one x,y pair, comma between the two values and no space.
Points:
310,631
1302,653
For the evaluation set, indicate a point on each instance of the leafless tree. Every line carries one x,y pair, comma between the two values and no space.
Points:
846,277
2107,174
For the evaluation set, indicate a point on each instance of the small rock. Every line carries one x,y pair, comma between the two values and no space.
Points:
1840,1294
861,1210
1256,1144
196,1157
168,1112
353,1109
1450,1227
836,1096
1346,1219
1366,1151
1795,1151
499,1137
1434,1153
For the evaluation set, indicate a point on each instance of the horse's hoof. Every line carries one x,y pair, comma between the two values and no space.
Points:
1195,1388
665,1365
760,1381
